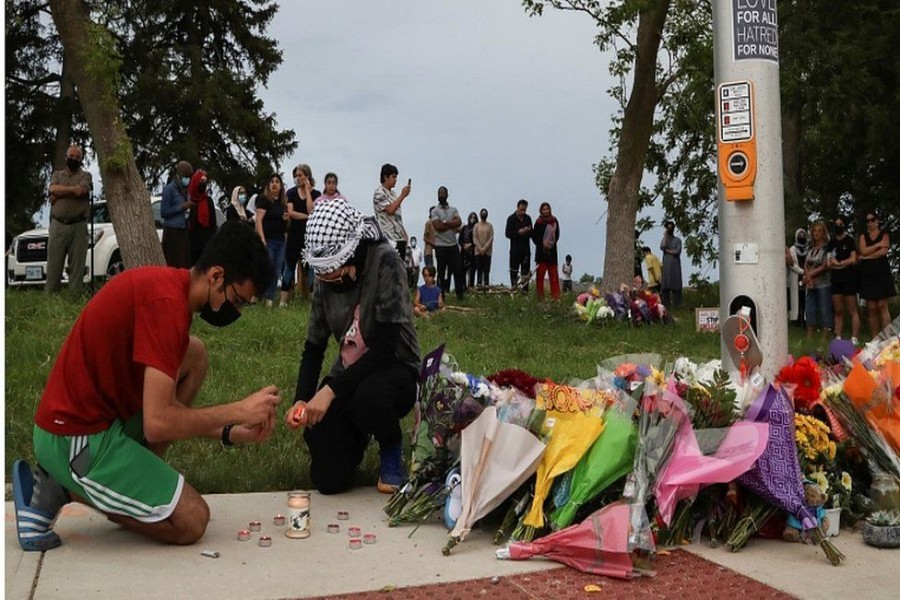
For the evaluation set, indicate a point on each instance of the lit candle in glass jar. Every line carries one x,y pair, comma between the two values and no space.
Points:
298,515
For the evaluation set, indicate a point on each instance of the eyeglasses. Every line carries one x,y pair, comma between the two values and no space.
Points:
240,301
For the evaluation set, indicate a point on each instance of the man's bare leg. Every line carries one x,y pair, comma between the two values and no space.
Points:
185,525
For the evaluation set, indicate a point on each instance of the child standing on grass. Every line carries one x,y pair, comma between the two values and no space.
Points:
567,274
429,297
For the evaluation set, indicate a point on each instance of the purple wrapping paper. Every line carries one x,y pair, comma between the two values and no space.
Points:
776,476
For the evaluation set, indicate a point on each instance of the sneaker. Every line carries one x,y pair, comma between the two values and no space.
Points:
391,477
33,525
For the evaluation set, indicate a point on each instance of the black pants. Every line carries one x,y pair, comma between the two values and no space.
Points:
671,293
337,444
519,262
449,263
176,245
483,269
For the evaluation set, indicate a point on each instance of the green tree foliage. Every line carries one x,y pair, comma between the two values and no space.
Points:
633,31
187,90
190,75
33,109
840,86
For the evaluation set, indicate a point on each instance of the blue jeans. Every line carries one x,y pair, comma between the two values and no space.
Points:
819,308
275,246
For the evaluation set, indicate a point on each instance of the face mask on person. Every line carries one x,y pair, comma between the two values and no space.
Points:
225,315
202,187
412,243
242,198
185,181
839,229
484,216
473,220
73,163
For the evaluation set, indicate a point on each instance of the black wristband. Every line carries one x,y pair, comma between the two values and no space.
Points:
226,436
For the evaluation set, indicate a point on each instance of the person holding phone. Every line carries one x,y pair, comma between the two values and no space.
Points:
387,208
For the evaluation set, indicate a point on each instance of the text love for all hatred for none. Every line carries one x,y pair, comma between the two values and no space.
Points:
755,26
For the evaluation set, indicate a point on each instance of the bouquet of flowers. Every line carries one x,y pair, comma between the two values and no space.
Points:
815,449
854,419
661,414
608,459
776,476
803,381
573,422
710,448
447,406
591,306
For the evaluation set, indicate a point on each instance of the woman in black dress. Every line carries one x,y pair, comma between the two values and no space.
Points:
876,284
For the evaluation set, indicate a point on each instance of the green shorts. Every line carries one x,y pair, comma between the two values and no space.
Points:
112,470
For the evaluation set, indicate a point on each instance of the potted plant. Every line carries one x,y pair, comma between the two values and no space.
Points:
882,529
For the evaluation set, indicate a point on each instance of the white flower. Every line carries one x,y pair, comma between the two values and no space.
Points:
685,370
459,378
707,370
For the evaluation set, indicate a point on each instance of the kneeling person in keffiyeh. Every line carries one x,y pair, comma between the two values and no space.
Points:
361,298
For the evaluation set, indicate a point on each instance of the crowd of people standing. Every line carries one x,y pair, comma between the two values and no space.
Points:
828,274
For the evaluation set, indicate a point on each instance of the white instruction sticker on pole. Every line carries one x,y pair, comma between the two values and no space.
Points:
746,254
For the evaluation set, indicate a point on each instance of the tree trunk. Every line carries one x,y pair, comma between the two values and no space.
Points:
791,129
89,53
64,117
637,126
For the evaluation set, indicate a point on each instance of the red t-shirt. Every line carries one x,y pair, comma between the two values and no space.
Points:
140,318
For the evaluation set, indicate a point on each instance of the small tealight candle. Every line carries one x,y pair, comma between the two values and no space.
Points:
265,541
278,521
243,535
334,528
343,515
369,538
354,532
355,543
255,526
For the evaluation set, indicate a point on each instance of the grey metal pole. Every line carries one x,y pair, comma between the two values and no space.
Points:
751,191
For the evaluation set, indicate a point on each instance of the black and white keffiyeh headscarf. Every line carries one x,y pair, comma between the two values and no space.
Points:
333,232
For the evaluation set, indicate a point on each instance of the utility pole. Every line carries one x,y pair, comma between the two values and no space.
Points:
751,189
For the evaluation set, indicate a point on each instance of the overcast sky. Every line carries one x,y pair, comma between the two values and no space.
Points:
470,94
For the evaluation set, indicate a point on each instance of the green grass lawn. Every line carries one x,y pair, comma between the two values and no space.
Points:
264,346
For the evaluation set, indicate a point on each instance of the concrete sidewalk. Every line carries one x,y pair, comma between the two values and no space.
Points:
99,559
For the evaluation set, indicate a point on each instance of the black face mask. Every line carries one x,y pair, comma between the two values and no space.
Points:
73,164
801,240
202,187
225,315
839,229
